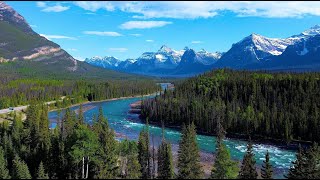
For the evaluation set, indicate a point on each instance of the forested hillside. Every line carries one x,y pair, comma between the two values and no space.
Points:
14,92
279,105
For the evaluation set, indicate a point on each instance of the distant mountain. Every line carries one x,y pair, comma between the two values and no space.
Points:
255,51
252,52
105,62
208,58
196,62
166,61
24,52
126,64
302,55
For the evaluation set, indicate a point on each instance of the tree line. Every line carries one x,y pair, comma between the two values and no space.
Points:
76,150
14,92
282,106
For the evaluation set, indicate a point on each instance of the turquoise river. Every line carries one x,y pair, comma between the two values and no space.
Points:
128,125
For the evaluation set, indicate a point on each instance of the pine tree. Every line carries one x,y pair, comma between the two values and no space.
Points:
144,154
133,167
41,172
248,169
32,124
165,163
84,147
107,151
20,169
17,132
312,165
129,163
4,172
224,167
188,155
297,171
8,149
266,171
44,135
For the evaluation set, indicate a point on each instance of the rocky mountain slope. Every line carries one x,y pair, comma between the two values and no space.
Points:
23,52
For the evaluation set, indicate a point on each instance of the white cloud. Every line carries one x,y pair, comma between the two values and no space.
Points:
41,4
33,26
102,33
50,37
56,8
95,5
196,42
207,9
143,24
149,40
136,35
120,50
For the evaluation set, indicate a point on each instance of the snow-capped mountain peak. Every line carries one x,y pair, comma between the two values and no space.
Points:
272,46
315,30
202,51
131,60
107,61
165,49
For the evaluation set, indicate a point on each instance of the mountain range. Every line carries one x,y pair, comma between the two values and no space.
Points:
165,61
23,51
254,52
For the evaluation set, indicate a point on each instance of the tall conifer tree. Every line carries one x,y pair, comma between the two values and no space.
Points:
248,169
189,155
165,163
266,171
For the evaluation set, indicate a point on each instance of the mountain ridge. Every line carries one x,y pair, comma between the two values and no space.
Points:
163,61
25,53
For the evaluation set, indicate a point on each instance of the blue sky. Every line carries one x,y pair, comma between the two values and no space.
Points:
127,29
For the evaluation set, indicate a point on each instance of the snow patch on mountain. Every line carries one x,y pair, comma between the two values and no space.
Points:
105,62
160,58
273,46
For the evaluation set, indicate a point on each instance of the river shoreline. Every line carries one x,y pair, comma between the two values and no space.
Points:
272,142
105,100
258,140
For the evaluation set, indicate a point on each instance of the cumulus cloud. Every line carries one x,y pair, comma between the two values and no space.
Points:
103,33
207,9
120,50
41,4
143,24
55,8
95,5
50,37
